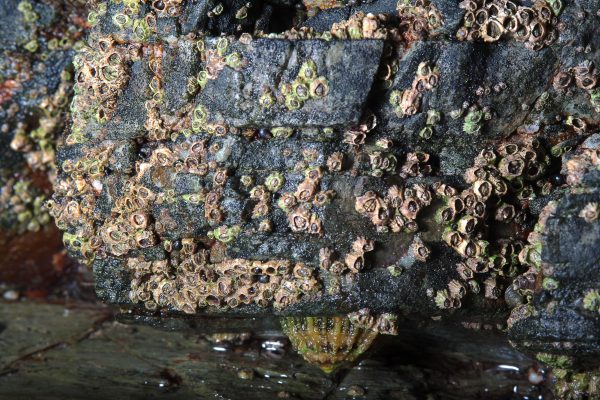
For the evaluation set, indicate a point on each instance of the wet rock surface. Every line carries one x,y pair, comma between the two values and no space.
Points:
505,81
322,169
233,97
561,317
82,351
220,164
37,41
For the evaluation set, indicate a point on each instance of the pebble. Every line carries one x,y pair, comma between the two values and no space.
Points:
11,295
355,391
245,374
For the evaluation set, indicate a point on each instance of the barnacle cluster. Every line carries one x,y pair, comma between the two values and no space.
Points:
382,162
571,384
408,102
74,200
398,210
385,323
155,126
307,85
416,164
353,262
359,26
130,27
100,76
38,144
585,76
299,205
501,178
418,18
530,257
577,163
218,56
328,342
196,282
491,20
29,17
21,204
169,8
474,119
315,5
35,91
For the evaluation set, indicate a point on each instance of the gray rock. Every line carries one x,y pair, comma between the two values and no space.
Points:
234,95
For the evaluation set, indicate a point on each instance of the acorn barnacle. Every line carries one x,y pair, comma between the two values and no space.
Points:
325,258
443,299
308,71
259,192
323,197
590,212
511,166
591,300
473,122
300,91
319,87
420,250
327,342
282,132
306,190
335,161
225,234
234,61
444,190
314,225
260,210
287,202
505,212
355,261
362,245
562,80
367,203
354,137
299,219
293,102
274,181
267,99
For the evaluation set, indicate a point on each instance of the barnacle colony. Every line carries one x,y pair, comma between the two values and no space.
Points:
499,176
492,20
174,193
408,102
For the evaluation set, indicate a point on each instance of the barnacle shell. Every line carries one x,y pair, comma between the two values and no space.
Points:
327,342
590,212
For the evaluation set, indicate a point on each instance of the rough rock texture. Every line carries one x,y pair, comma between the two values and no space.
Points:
37,41
193,157
233,97
561,319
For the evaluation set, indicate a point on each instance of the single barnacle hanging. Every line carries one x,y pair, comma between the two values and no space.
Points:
327,342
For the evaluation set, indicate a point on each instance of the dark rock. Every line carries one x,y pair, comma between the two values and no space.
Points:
234,96
570,255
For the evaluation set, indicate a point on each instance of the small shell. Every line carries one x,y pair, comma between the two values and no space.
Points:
328,342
